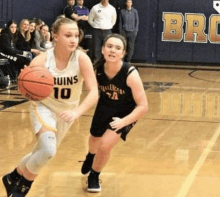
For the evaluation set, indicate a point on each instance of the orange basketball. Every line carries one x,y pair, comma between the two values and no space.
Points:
35,83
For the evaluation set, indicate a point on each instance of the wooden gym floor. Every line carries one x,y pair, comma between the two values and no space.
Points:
173,151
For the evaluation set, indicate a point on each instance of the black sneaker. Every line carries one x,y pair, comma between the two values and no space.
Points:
87,164
9,184
21,191
93,184
16,194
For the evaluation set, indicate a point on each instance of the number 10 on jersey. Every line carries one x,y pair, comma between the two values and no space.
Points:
62,93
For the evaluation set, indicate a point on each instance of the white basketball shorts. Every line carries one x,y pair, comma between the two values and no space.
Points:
42,116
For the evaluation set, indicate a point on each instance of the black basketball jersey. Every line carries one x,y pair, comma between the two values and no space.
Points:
114,92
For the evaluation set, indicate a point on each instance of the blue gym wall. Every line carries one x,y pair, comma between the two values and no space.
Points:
46,10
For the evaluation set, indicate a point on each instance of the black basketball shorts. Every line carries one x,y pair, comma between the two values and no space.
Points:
103,116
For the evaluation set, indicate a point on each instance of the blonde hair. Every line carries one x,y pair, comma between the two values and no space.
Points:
63,20
27,34
59,22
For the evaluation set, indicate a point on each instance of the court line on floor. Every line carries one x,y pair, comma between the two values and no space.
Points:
152,143
192,175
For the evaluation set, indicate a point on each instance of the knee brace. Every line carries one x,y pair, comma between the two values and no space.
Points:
24,161
46,149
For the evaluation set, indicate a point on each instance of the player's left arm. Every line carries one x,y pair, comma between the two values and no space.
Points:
88,74
135,83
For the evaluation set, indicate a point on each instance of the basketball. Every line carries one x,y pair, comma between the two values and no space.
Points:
35,83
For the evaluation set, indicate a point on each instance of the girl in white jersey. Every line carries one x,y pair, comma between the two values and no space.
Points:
51,118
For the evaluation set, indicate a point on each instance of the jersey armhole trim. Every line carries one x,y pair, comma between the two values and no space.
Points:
130,70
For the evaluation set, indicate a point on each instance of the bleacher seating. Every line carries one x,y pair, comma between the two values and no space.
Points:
4,72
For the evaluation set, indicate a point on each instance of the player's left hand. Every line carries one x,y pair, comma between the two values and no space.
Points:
68,116
117,123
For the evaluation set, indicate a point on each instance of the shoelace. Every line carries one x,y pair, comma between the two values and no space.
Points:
23,189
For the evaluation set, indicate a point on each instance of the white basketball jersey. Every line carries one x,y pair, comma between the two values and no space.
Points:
67,83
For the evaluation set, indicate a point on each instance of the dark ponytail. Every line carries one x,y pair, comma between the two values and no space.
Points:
99,63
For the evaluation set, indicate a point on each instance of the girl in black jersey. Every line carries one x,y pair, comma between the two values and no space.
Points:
122,102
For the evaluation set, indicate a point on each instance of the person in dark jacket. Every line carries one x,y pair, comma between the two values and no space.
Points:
17,58
69,10
24,37
128,27
32,30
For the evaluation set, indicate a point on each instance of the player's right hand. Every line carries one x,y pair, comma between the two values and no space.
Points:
68,116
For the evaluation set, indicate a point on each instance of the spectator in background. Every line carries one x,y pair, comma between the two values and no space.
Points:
82,13
39,23
24,36
102,18
32,26
82,20
32,29
8,50
128,27
40,38
69,10
48,36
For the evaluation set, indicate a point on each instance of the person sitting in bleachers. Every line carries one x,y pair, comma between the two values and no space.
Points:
32,29
41,39
17,58
32,26
24,36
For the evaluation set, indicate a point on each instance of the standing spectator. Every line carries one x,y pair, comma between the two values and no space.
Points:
81,11
69,10
128,27
102,18
82,20
8,50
